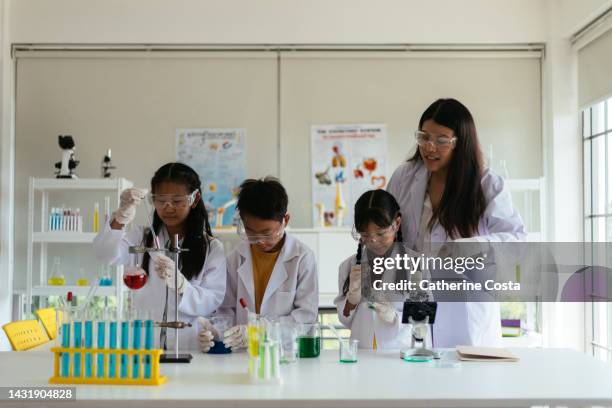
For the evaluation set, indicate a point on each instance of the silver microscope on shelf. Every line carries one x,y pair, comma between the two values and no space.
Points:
420,315
175,250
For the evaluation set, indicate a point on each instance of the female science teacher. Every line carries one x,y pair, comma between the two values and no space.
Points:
446,194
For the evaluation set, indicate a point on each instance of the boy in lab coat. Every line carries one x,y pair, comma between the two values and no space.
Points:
271,270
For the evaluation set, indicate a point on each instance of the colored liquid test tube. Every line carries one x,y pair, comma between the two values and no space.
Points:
78,333
148,346
125,344
112,344
136,345
65,360
88,345
100,345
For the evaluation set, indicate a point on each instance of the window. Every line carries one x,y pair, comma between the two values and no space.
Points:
597,147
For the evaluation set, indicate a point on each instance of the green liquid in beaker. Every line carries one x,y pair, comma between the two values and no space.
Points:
309,346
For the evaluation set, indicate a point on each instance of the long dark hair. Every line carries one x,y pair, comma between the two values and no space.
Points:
379,207
463,201
197,229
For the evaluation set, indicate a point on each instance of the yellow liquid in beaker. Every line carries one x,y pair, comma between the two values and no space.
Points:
253,337
82,282
56,281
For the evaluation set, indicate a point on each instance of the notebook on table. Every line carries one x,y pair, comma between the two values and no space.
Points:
471,353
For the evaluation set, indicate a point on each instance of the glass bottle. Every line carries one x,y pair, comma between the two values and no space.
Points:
57,277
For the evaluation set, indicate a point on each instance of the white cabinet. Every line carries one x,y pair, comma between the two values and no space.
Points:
331,246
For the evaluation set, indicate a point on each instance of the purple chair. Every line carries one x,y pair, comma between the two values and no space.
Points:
588,284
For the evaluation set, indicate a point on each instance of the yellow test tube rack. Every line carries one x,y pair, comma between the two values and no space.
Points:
155,379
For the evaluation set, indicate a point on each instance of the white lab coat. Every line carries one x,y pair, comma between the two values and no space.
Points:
459,323
202,294
365,323
292,290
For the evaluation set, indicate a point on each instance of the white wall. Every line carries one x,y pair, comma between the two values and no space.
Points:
572,15
277,21
335,21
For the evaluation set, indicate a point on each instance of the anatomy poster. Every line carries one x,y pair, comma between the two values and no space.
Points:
219,157
347,160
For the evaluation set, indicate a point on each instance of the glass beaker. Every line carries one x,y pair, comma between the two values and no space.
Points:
105,276
288,335
348,350
57,277
221,323
309,340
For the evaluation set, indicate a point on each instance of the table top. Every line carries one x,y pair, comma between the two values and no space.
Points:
381,378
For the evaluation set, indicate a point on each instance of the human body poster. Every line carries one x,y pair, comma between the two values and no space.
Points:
346,161
219,158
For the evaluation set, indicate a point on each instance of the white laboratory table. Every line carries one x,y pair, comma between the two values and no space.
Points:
380,379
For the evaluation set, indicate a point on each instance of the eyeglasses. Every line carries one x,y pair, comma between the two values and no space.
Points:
440,142
260,238
160,201
377,236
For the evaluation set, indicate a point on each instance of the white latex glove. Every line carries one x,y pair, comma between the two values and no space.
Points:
385,311
236,337
206,335
353,295
164,267
129,200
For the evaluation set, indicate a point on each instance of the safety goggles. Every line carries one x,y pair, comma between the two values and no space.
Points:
260,238
160,201
440,142
379,235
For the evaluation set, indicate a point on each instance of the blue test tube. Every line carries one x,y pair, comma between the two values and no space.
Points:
125,344
78,333
101,343
136,340
112,344
65,361
148,346
88,345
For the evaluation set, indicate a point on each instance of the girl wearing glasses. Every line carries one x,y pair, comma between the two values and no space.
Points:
374,321
270,269
178,209
445,193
